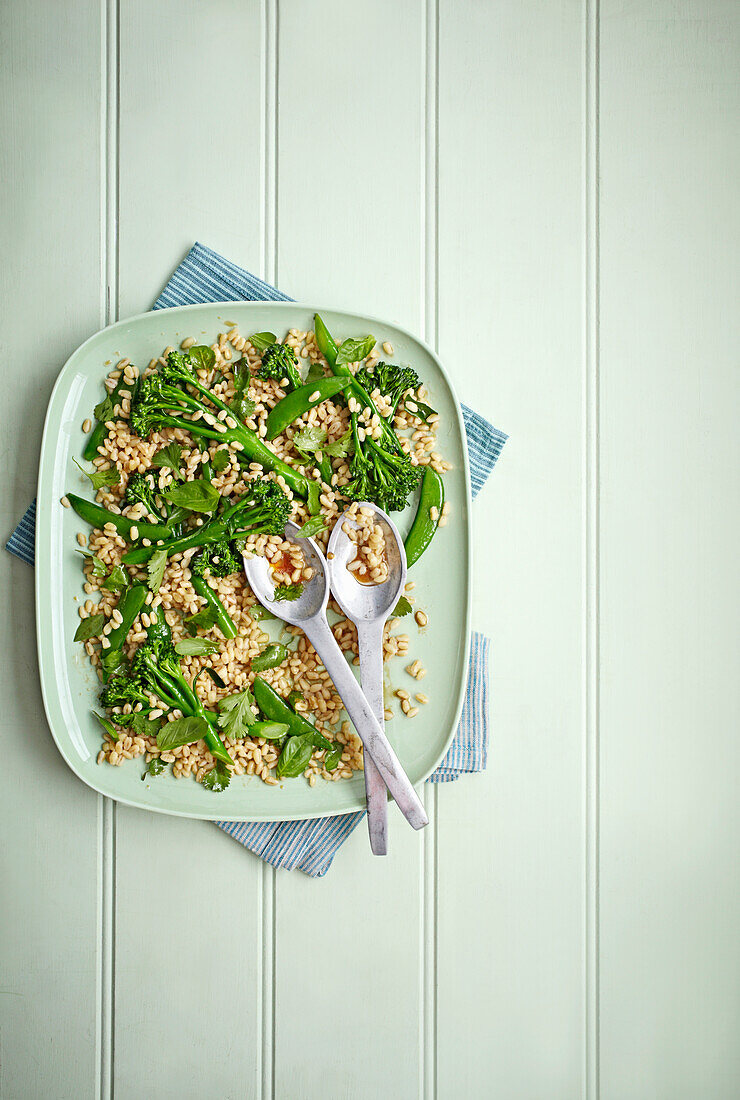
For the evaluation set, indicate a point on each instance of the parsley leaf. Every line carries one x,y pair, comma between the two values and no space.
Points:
117,580
217,779
220,461
101,478
315,371
155,568
403,607
288,591
262,340
309,439
104,410
169,457
89,628
202,357
236,715
340,447
196,647
145,727
353,351
204,619
183,731
197,496
154,767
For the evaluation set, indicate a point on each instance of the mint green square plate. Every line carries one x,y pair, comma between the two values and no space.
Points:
69,684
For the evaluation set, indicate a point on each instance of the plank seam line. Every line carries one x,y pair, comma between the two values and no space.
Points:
430,308
268,263
591,541
109,308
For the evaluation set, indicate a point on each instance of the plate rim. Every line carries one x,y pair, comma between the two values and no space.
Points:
50,436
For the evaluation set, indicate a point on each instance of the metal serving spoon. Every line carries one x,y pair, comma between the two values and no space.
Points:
368,606
309,613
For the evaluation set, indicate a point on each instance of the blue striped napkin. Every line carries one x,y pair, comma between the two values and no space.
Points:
310,846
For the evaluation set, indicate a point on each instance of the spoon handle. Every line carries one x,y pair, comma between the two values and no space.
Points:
370,643
363,719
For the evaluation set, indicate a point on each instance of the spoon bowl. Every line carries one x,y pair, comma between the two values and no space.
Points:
360,601
315,594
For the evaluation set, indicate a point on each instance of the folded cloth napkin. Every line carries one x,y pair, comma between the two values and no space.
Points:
310,846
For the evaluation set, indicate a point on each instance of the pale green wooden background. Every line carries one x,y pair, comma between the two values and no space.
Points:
548,190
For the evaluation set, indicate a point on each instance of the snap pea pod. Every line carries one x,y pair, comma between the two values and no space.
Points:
298,402
99,432
97,516
129,606
423,528
273,706
325,340
223,621
271,731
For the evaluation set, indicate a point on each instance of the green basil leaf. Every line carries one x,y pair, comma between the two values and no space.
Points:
271,731
99,568
204,620
104,410
90,628
403,607
216,678
333,756
117,580
154,767
107,725
202,357
243,406
101,478
112,661
295,757
217,779
340,447
155,568
353,351
236,714
196,647
310,439
262,340
169,457
183,731
220,461
313,526
258,613
270,657
197,496
422,410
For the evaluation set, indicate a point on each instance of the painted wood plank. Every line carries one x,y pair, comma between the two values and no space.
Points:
510,870
348,980
50,290
189,952
670,818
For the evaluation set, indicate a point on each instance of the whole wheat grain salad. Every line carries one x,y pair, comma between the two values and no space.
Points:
201,457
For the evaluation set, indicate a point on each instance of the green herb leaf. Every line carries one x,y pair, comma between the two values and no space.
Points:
154,767
204,620
313,526
217,779
155,569
295,757
258,613
310,439
332,758
220,461
104,410
90,628
315,372
270,657
112,661
262,340
183,731
340,447
117,580
243,406
403,607
294,697
99,568
236,714
107,725
422,410
145,727
196,647
271,731
169,457
353,351
287,592
202,357
101,478
216,678
197,496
